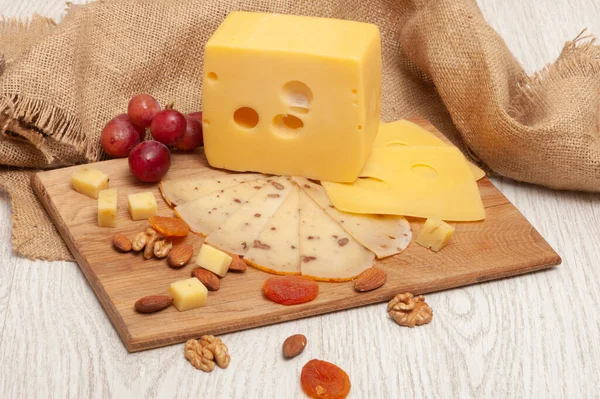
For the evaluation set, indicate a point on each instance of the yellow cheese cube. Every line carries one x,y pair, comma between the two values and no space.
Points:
214,260
142,205
303,90
89,181
435,234
188,294
107,208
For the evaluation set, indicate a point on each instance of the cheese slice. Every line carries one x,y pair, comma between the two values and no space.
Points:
242,228
277,247
385,235
427,182
180,191
328,252
404,133
206,213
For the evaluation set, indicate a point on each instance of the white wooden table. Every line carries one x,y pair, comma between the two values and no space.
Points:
534,336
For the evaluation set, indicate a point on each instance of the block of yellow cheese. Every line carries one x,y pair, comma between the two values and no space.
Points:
420,181
286,95
107,208
214,260
142,205
188,294
89,181
435,234
403,133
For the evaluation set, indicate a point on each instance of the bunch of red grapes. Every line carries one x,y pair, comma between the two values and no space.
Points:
149,161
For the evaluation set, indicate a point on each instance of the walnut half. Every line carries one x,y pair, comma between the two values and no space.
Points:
207,352
409,311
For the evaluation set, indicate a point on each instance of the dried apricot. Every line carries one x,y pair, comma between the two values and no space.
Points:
290,290
324,380
169,226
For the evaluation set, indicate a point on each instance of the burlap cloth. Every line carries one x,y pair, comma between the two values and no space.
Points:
61,83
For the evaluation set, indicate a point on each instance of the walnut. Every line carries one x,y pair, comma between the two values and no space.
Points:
140,240
149,249
162,248
206,353
409,311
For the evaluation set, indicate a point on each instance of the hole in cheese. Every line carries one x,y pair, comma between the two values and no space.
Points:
206,122
287,125
245,117
371,183
424,170
297,96
359,127
396,143
354,91
212,76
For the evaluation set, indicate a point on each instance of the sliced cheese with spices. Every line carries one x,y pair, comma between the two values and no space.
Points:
276,249
206,213
179,191
403,133
242,228
427,182
385,235
328,252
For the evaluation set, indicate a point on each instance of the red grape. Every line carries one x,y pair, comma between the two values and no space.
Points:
193,135
149,161
119,136
196,115
168,126
141,109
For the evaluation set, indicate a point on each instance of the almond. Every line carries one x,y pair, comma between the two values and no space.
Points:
153,303
122,243
370,279
294,345
180,255
237,264
208,278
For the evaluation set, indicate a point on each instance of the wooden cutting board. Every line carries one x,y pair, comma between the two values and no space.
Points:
503,245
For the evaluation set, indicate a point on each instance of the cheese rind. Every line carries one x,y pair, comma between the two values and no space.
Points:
239,231
214,260
107,208
208,212
403,133
89,181
327,252
142,205
280,104
435,234
277,249
180,191
385,235
427,182
188,294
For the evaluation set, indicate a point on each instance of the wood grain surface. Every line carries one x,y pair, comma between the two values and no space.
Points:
535,336
503,245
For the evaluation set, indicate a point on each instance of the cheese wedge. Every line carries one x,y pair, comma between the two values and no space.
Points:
277,247
404,133
180,191
206,213
242,228
427,182
385,235
328,252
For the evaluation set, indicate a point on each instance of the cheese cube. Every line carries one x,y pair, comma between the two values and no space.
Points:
435,234
107,208
142,205
303,90
214,260
188,294
89,181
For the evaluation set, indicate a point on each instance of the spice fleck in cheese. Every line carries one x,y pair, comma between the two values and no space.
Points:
107,208
435,234
142,205
188,294
286,94
89,181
